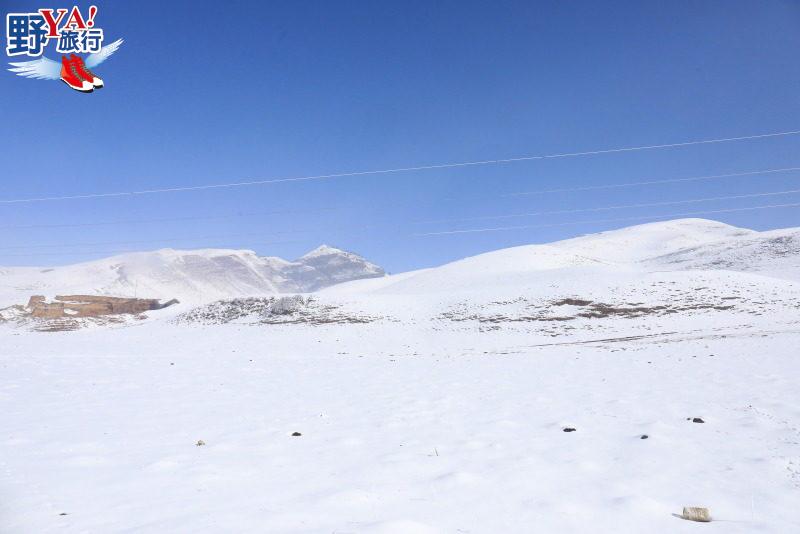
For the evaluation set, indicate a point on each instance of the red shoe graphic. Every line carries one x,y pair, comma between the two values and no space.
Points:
86,74
71,77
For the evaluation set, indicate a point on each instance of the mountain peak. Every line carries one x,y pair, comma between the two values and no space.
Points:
327,265
322,250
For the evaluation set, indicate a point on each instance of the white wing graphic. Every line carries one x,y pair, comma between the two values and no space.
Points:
93,60
40,69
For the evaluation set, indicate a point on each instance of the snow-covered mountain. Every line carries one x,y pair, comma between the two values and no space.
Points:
189,275
196,276
326,266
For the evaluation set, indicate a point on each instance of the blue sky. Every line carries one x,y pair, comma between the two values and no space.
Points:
210,92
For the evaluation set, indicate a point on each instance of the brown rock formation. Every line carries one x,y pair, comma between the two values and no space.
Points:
35,300
90,306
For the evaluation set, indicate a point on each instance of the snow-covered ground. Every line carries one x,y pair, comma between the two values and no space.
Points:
431,401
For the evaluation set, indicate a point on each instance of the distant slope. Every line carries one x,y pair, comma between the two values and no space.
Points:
189,275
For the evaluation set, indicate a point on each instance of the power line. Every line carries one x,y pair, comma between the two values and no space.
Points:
609,208
396,170
164,219
426,234
316,210
651,182
623,219
490,217
129,251
160,240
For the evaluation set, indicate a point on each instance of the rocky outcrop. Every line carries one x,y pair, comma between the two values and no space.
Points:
275,311
90,306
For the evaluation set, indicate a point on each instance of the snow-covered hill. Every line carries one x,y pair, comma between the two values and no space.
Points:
674,272
193,276
622,255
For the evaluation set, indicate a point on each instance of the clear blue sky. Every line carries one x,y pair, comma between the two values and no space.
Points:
208,92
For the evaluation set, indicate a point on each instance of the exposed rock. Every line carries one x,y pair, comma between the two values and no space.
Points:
75,306
35,300
695,513
273,310
48,311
